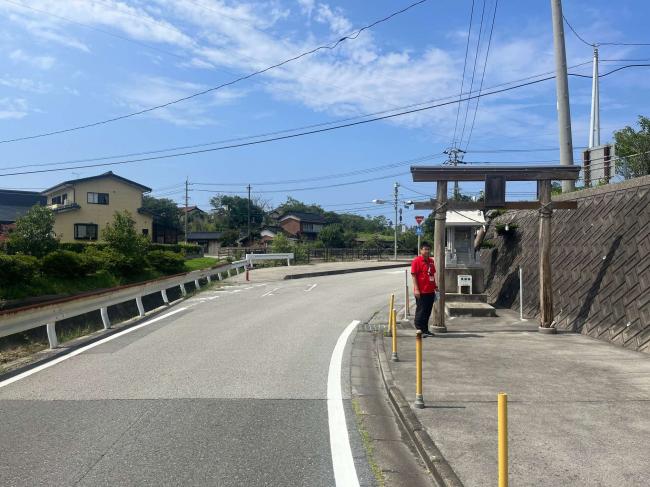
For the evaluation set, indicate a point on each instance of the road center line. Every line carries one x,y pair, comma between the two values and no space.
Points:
345,473
87,347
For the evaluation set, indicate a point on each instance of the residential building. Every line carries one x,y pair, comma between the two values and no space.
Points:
306,226
84,207
210,241
13,205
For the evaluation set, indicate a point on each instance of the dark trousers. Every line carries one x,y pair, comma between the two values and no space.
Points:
423,307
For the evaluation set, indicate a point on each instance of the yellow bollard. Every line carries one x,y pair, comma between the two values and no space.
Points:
503,439
391,305
419,401
394,357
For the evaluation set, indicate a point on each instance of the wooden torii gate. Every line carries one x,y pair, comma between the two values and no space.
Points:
495,178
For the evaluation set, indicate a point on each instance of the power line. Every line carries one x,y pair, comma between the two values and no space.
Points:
291,136
611,72
462,82
594,44
487,54
330,46
471,85
334,176
278,132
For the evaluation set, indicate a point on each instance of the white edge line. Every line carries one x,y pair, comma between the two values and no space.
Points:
345,473
76,352
311,287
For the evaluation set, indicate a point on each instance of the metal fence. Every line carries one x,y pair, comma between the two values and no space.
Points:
48,313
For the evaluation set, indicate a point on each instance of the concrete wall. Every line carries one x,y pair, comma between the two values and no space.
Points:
600,263
121,197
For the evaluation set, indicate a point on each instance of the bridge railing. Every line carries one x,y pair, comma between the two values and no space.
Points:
48,313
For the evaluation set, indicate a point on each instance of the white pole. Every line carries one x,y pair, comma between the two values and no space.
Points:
521,295
594,122
406,295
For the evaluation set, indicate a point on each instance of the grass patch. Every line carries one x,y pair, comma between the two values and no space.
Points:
368,445
200,263
57,285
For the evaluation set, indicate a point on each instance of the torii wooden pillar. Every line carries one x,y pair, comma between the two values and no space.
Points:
495,178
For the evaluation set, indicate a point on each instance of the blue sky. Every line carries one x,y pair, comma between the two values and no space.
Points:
67,63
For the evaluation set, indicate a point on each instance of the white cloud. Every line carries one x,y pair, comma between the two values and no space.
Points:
25,84
13,108
146,91
40,62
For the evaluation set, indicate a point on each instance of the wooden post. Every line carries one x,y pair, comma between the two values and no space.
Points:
439,255
545,283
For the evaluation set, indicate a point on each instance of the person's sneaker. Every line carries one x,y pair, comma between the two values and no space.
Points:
427,334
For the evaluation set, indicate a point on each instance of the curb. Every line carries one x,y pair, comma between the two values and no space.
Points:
442,473
344,271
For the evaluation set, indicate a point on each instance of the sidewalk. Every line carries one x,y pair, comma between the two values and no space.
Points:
579,409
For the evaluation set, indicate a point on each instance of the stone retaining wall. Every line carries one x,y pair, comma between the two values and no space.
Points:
600,263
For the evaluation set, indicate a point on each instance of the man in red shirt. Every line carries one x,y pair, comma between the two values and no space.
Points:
423,270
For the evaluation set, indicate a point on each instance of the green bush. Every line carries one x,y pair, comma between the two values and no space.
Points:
121,265
166,262
180,248
81,247
17,268
63,263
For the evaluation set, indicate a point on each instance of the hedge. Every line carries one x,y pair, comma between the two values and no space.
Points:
18,268
63,263
166,262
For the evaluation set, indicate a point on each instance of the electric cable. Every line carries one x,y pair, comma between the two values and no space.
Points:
487,54
274,133
471,85
462,82
330,46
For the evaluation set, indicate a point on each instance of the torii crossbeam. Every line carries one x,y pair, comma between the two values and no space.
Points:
495,178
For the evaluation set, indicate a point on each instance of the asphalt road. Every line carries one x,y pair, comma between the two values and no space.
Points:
229,390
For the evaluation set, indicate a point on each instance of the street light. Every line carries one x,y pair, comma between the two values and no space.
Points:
395,204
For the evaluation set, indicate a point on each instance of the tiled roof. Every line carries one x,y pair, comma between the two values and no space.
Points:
303,217
99,176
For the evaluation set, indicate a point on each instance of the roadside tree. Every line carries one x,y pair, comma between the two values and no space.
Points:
633,149
34,233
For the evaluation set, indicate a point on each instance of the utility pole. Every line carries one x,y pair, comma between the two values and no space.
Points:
562,89
594,121
187,184
396,191
454,160
249,213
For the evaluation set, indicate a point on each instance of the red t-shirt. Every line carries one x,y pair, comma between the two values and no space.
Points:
424,273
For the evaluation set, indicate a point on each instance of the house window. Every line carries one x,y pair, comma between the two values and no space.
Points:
85,231
311,227
62,199
98,198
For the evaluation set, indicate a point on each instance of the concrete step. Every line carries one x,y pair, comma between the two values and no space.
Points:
465,298
469,309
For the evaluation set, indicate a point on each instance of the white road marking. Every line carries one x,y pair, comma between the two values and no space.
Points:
87,347
310,287
345,473
270,293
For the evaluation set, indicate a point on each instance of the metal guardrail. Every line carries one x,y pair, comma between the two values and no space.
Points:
48,313
253,257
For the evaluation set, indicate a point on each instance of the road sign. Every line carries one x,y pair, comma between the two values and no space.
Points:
419,219
418,231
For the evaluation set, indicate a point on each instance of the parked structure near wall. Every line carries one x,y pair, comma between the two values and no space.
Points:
601,269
